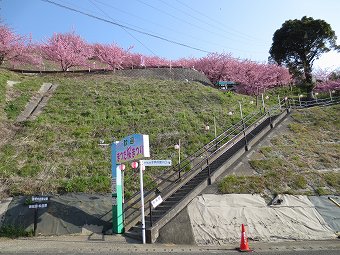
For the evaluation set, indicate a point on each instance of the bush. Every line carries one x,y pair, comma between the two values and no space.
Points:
12,231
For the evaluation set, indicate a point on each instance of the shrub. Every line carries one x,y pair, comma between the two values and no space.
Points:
12,231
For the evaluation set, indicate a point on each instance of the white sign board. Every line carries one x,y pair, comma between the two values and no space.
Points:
132,148
35,206
157,201
39,199
157,162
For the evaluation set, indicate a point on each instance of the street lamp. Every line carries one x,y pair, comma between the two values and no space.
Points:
102,143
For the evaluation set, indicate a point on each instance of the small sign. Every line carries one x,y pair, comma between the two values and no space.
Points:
157,201
114,201
35,206
113,185
39,199
157,162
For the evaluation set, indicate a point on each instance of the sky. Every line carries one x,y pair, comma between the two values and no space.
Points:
243,28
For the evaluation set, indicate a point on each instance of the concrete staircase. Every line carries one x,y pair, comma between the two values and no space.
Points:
178,188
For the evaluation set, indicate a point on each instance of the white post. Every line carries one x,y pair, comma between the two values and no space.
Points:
215,126
300,100
141,166
179,152
330,95
241,109
262,102
278,97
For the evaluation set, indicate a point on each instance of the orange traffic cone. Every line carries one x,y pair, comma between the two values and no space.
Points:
244,246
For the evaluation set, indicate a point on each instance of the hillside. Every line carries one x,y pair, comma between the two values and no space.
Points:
303,157
59,151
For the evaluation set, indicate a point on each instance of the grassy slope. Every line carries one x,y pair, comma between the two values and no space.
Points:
303,160
59,150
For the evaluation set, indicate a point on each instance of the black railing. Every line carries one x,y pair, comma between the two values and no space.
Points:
202,158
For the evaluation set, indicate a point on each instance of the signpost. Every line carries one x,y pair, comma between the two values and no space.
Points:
37,204
130,148
142,165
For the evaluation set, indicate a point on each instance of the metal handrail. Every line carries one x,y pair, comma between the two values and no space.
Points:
314,102
204,153
199,158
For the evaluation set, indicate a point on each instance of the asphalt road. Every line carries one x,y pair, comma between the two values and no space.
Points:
75,245
304,252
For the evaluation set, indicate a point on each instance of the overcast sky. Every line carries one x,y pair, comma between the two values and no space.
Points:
243,28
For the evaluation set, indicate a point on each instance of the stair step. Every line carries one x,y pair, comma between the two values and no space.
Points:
164,208
174,199
134,235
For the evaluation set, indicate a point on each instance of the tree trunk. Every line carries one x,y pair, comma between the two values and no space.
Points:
309,85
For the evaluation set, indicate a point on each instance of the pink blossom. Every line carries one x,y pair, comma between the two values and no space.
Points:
69,50
15,49
113,55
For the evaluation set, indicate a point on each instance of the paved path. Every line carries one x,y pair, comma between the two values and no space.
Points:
117,244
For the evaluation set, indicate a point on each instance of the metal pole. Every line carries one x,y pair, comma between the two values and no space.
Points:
262,102
330,95
244,126
278,97
209,171
141,164
150,213
215,126
35,219
179,158
300,100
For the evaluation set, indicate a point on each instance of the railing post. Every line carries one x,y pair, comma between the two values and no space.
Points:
287,104
244,127
278,97
209,172
270,119
150,213
179,158
263,105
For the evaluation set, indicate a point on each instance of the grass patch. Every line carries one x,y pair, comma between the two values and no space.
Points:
60,147
11,231
292,163
242,184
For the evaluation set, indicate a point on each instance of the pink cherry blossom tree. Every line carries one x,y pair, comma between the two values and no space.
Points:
69,50
133,60
113,55
253,78
15,49
326,81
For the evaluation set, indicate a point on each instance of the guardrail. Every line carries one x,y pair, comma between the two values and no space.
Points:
305,103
